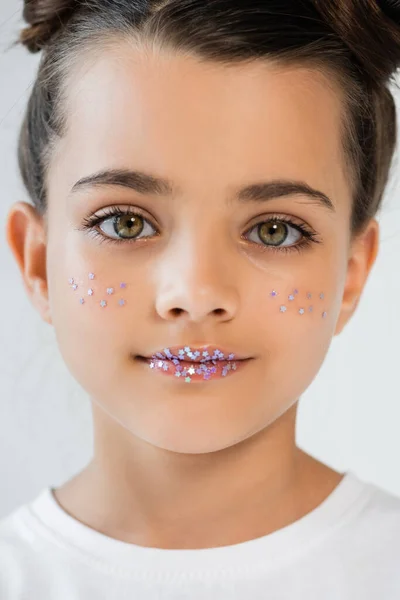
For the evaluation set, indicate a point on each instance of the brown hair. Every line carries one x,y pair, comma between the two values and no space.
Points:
356,41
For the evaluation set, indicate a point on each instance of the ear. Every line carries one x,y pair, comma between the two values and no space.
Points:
26,236
363,253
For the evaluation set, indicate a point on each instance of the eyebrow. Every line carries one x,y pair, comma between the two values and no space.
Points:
147,184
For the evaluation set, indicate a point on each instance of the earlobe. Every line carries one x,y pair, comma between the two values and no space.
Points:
364,251
26,237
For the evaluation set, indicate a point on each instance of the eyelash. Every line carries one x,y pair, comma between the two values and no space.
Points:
309,237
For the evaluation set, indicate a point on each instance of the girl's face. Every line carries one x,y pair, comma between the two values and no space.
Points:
199,265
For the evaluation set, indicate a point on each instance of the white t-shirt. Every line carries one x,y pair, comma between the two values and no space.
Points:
348,548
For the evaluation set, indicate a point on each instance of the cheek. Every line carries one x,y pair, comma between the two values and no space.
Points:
98,307
297,323
88,302
98,295
95,319
296,327
96,316
296,302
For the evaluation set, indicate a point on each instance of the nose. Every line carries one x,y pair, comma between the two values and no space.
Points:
196,283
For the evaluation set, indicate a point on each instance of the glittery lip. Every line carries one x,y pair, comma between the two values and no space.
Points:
193,372
195,363
196,354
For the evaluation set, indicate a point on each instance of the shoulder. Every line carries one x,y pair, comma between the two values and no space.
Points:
371,527
20,551
381,506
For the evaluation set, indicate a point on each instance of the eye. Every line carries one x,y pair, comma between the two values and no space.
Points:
119,225
277,230
130,225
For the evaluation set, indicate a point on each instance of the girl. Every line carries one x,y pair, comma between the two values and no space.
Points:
205,177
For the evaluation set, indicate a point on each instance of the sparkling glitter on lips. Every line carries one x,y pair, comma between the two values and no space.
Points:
207,366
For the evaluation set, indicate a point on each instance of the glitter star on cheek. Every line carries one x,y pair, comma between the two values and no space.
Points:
191,371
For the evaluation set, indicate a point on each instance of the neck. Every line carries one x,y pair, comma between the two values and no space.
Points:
149,496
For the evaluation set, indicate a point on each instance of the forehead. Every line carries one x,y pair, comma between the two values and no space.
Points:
187,119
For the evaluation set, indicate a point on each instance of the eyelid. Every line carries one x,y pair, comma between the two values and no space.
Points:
291,220
114,210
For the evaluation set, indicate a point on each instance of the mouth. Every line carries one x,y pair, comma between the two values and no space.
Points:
193,371
196,354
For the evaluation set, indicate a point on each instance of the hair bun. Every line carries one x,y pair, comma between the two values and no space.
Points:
370,29
45,19
391,8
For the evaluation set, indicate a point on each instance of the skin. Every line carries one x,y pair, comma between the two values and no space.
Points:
179,465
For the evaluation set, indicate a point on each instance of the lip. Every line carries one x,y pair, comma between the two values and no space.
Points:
190,371
197,354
